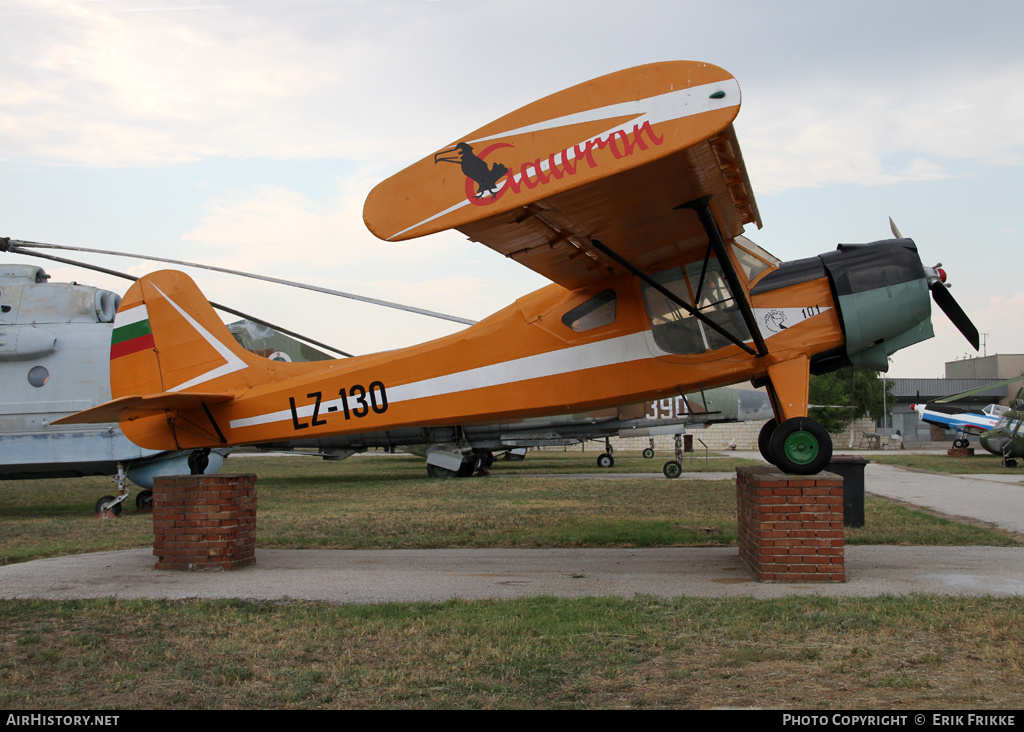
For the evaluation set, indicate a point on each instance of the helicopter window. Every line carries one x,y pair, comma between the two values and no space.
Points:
594,313
38,376
676,330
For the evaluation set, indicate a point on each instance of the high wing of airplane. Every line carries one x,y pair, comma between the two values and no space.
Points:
630,193
965,421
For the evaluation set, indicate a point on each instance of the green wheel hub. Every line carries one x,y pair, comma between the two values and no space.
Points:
801,447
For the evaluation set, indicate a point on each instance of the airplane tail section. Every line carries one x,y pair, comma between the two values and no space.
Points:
170,354
167,338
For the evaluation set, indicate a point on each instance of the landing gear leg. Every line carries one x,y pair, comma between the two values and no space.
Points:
110,506
793,442
674,468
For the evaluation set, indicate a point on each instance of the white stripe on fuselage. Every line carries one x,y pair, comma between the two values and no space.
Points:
633,347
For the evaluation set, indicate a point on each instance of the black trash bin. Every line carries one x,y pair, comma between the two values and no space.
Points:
851,469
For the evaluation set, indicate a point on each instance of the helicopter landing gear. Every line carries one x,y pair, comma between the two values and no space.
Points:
110,506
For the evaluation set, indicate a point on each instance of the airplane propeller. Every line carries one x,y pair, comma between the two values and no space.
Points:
947,303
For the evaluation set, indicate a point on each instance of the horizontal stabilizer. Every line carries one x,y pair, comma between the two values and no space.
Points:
133,407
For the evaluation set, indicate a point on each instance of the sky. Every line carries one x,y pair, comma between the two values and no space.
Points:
247,135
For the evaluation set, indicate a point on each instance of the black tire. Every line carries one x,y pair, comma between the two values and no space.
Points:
801,446
765,437
672,469
604,460
470,465
144,501
436,471
648,452
199,461
115,509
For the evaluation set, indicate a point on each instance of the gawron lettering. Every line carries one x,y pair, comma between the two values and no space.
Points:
566,163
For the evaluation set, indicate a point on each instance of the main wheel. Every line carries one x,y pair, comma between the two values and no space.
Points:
765,436
800,445
604,460
144,501
672,469
115,509
436,471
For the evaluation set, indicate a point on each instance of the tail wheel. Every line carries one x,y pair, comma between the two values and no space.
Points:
764,438
801,446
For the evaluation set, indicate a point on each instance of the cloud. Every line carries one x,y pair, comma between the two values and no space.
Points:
856,131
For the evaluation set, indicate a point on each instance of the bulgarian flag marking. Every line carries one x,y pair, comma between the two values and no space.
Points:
131,332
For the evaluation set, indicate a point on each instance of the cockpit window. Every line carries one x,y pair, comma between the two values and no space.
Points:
594,313
753,260
678,331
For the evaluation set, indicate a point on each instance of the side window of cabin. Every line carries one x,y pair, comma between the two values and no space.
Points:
596,312
675,329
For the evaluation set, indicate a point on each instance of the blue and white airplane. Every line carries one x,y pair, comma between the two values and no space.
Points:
965,423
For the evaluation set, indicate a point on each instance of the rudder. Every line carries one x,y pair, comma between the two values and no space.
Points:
167,338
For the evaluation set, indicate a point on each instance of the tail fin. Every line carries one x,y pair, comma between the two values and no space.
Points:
167,338
170,353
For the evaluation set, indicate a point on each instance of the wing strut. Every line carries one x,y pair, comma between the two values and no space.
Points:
675,299
700,205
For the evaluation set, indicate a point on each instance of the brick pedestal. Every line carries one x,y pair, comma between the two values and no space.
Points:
204,521
791,526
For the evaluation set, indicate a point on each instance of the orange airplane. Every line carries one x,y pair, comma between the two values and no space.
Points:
629,192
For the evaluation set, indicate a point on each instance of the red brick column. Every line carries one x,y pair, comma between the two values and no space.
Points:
204,521
791,526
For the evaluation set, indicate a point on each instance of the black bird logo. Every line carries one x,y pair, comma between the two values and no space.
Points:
474,168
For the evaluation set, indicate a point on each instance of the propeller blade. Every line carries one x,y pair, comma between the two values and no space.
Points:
956,314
